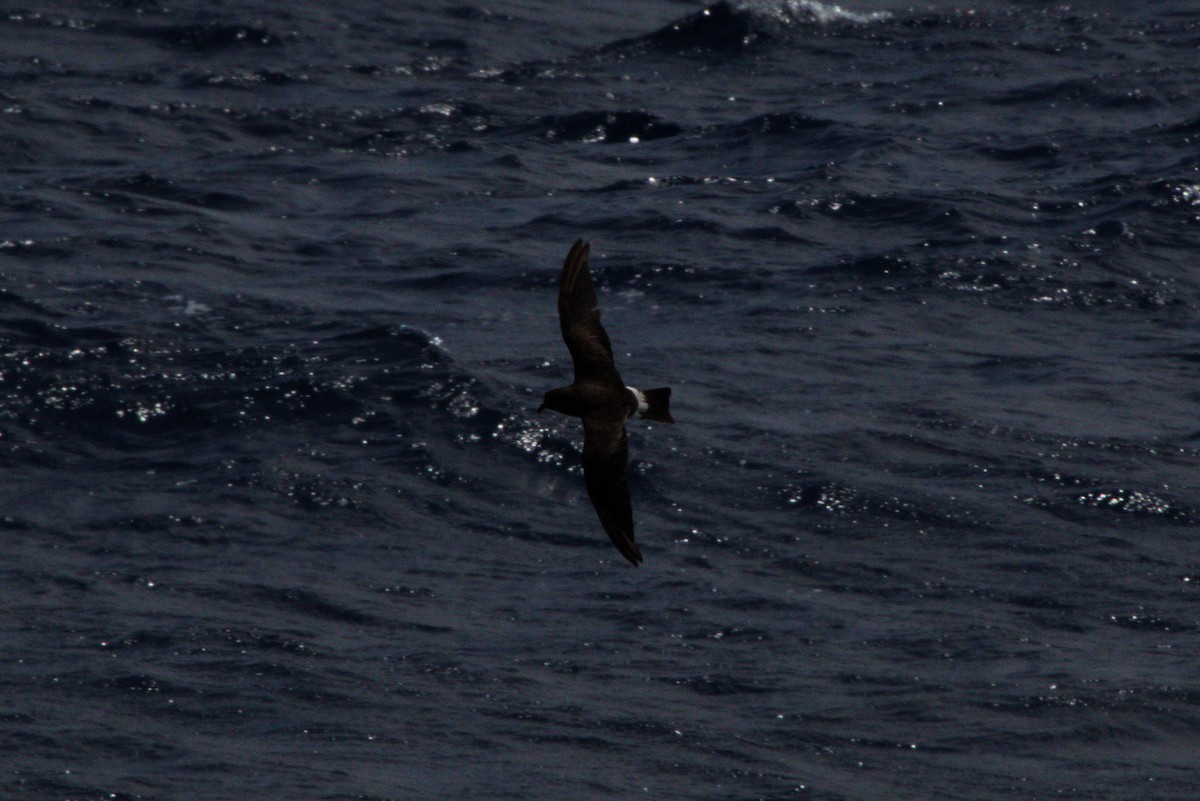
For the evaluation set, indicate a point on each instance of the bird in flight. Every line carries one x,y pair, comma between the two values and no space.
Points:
600,397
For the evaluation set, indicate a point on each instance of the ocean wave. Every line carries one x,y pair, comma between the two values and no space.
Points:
790,12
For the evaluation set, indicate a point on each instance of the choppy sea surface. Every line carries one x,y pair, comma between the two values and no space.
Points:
277,304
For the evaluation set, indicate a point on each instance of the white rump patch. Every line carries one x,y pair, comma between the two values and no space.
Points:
643,404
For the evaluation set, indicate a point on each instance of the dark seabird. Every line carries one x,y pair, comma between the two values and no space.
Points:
601,398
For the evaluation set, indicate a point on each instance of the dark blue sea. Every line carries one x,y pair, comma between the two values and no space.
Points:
278,519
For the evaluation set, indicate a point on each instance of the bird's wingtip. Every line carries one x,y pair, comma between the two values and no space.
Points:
633,553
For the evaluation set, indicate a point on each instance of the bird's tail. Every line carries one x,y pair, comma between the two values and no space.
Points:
658,405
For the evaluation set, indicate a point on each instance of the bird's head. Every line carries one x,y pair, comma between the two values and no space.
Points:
554,400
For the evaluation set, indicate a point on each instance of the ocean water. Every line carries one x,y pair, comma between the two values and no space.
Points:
278,519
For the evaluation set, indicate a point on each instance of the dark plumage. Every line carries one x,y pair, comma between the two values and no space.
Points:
602,400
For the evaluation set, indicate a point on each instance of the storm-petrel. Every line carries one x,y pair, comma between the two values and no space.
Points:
602,400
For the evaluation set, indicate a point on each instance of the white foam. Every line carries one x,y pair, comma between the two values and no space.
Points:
792,11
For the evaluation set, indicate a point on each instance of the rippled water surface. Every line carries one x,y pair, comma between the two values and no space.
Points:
277,304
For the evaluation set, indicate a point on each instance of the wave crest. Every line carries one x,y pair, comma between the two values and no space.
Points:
790,12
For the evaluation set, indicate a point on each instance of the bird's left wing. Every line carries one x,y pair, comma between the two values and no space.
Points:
605,456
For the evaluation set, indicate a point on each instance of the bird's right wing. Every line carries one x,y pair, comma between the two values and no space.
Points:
579,318
605,456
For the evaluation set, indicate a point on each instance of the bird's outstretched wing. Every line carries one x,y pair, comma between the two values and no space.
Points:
580,320
605,455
